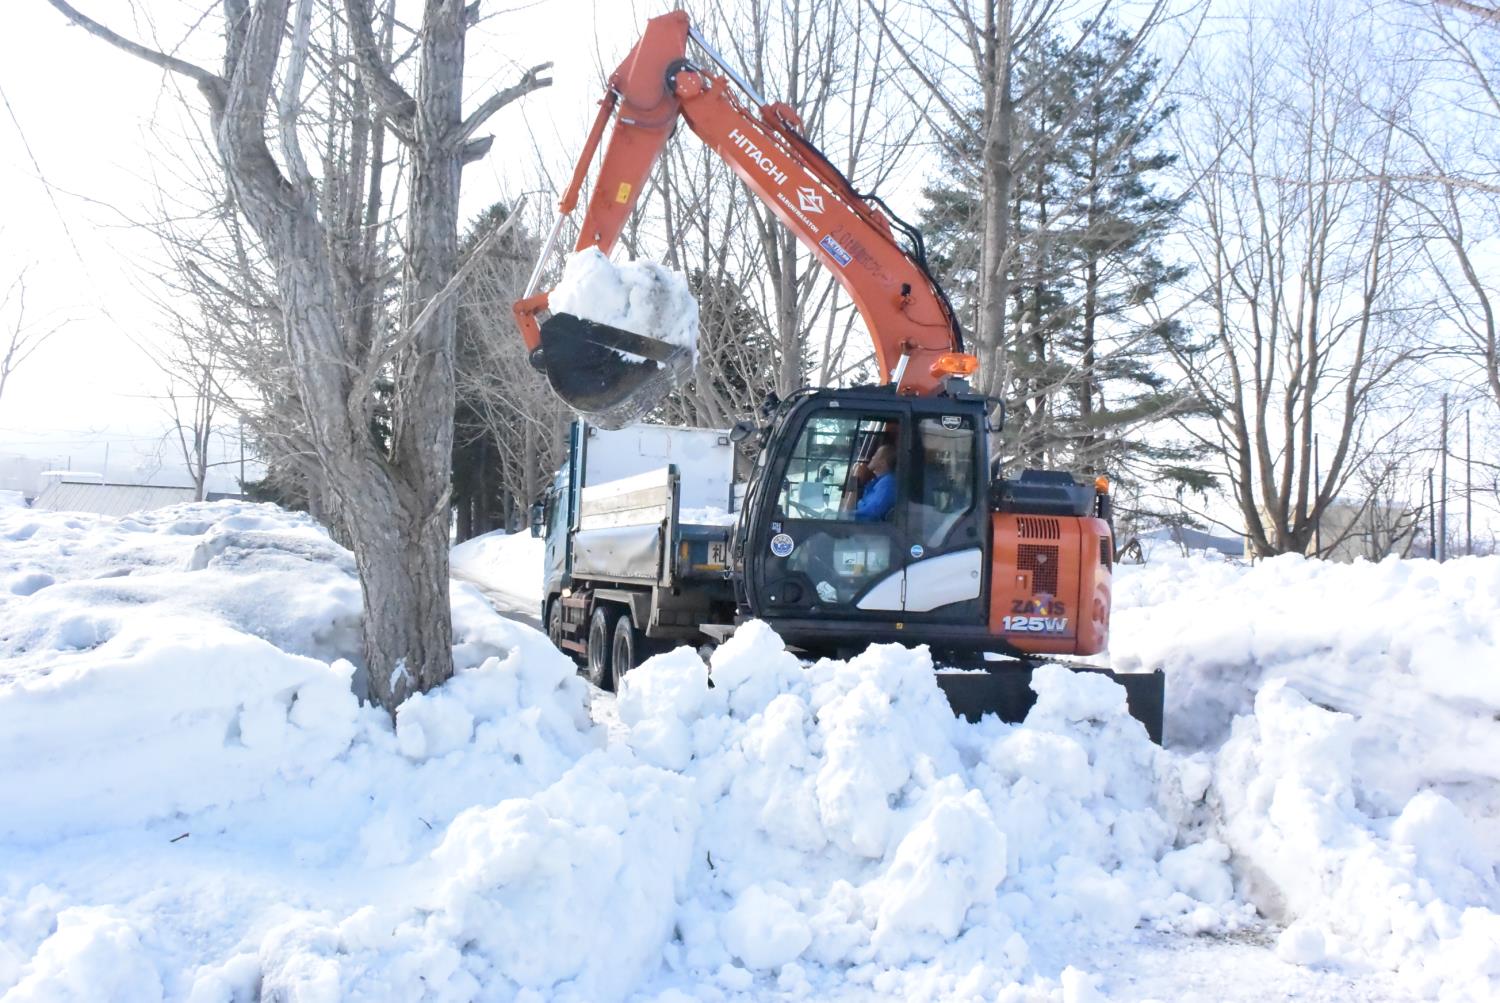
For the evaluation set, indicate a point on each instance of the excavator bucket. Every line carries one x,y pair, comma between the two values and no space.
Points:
1004,689
610,376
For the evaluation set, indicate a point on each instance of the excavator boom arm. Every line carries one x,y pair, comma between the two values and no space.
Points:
916,338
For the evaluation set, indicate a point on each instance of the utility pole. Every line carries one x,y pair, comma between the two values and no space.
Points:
1318,517
1431,517
1443,501
242,457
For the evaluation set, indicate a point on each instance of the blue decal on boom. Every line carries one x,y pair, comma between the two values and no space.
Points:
838,254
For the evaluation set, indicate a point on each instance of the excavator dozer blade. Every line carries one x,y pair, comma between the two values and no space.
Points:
1004,689
610,376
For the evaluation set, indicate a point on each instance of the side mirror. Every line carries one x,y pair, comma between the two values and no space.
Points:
741,431
538,519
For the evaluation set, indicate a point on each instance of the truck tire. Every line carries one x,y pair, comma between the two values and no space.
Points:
555,625
601,634
626,652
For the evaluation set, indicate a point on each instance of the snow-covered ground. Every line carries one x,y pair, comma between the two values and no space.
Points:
193,806
507,566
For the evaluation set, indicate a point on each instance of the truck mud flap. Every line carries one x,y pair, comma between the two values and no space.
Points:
1005,691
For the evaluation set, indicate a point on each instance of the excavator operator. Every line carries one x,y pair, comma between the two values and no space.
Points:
878,496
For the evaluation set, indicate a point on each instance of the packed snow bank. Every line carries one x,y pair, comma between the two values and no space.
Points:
1417,893
1359,786
189,786
641,297
506,564
211,817
135,685
195,658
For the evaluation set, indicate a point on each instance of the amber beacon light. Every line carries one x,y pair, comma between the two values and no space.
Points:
955,364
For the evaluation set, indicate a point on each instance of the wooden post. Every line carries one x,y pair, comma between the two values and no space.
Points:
1468,487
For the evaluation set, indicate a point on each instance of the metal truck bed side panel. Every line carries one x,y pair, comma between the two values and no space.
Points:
620,553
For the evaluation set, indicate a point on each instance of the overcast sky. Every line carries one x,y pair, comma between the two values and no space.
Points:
88,134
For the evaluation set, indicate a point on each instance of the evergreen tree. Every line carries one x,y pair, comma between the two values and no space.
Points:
507,422
1088,222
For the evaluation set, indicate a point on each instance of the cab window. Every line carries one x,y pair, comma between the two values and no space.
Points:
834,465
942,478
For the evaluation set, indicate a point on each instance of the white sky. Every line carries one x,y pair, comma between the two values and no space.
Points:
99,124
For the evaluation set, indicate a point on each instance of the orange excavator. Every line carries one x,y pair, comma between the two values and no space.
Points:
873,513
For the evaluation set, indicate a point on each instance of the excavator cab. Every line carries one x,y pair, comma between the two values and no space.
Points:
868,519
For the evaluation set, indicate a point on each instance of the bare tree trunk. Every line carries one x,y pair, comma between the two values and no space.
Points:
392,499
999,126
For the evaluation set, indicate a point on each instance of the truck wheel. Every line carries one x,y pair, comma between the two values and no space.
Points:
626,652
555,624
601,631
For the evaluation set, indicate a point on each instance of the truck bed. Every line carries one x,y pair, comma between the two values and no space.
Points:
629,531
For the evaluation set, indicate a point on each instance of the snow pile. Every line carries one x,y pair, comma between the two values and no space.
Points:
186,802
859,840
707,515
134,687
1417,893
196,808
641,297
807,833
508,565
1359,786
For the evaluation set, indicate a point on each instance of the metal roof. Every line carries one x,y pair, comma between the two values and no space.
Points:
1193,539
108,499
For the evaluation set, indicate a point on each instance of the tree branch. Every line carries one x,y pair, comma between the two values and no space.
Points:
1490,14
530,81
211,84
290,106
399,108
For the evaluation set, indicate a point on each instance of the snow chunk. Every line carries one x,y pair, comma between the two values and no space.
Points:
93,955
641,297
765,931
1300,944
949,862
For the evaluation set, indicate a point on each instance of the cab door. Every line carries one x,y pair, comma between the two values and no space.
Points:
946,563
821,554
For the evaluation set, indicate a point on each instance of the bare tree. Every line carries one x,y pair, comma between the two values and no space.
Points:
1311,283
22,336
377,397
1456,165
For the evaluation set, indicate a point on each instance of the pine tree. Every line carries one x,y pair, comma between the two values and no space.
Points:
507,422
1088,222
